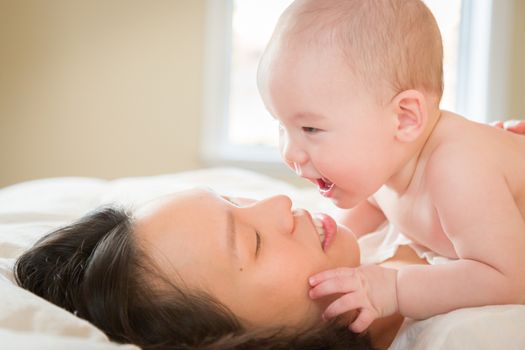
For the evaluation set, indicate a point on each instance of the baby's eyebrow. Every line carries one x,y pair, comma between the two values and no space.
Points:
308,116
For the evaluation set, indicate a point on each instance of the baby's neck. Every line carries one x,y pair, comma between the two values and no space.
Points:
415,152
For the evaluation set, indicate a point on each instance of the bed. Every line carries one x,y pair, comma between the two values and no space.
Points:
29,210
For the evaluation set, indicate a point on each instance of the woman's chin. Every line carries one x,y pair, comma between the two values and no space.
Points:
347,244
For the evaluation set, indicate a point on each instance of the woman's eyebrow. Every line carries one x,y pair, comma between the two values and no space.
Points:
231,234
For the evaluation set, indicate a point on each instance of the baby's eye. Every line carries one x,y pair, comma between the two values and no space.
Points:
310,130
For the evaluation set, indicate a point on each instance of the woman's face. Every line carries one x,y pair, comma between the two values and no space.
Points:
254,256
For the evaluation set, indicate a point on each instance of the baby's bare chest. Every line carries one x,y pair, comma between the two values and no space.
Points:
416,218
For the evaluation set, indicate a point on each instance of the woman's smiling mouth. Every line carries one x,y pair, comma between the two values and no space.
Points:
326,228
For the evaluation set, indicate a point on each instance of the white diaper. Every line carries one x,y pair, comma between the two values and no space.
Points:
382,244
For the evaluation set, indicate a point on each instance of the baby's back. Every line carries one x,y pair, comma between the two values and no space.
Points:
498,148
455,143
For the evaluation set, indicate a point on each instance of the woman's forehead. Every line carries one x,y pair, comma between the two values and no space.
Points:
183,230
171,201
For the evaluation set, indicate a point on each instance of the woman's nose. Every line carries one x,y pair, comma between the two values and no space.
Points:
276,213
280,202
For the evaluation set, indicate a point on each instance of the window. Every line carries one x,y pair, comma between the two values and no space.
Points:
237,126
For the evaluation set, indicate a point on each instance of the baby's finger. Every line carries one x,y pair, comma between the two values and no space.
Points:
335,285
497,123
347,302
517,126
363,321
339,272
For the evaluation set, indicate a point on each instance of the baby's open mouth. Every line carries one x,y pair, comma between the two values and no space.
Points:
324,185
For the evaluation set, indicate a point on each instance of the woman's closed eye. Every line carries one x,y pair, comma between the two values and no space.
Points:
257,234
257,243
231,200
240,201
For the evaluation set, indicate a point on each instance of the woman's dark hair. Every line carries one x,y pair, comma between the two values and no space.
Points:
95,269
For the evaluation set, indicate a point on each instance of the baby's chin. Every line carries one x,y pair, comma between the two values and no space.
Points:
346,197
345,201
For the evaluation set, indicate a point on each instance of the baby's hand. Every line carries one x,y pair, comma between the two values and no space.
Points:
516,126
370,289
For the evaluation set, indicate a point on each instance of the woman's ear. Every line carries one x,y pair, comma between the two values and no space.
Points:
411,115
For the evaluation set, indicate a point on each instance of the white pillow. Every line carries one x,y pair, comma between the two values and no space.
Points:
480,328
31,209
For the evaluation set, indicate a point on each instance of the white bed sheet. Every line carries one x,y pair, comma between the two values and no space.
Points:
31,209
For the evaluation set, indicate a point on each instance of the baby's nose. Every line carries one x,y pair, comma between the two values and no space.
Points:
293,155
297,169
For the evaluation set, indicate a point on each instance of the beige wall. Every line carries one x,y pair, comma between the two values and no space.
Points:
99,88
113,88
517,65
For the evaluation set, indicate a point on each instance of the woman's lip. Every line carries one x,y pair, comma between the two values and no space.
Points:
329,226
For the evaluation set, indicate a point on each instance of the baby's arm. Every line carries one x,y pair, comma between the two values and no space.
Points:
479,215
363,218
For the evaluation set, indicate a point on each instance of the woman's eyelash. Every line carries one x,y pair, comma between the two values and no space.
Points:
257,243
228,199
257,234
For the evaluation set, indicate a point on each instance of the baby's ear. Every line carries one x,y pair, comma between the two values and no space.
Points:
410,108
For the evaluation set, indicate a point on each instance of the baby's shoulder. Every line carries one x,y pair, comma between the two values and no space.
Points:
459,144
450,165
458,152
466,158
465,154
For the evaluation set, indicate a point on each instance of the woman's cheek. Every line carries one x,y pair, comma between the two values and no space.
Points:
287,269
345,251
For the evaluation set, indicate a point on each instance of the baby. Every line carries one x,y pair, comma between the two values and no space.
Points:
355,86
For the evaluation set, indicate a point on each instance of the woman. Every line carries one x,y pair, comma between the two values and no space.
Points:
197,270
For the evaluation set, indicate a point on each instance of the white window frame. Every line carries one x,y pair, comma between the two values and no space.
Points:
483,99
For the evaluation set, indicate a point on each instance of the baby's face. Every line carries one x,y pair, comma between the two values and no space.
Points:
333,131
253,256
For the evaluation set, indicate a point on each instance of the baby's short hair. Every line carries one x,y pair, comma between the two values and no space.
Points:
392,44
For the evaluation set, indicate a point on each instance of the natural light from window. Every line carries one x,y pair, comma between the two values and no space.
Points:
249,124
